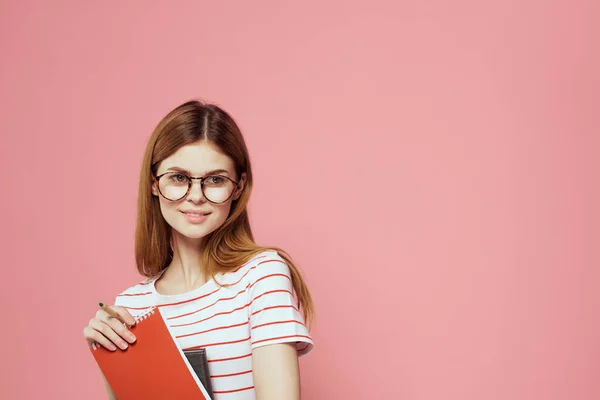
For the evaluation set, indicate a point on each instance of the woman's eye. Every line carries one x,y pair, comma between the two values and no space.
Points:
179,178
215,180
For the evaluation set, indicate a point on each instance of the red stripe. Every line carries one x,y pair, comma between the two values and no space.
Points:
235,374
138,308
277,322
213,329
134,294
187,301
254,267
272,307
232,391
217,344
204,308
223,298
265,277
220,287
269,292
212,316
229,312
281,337
230,358
238,268
208,294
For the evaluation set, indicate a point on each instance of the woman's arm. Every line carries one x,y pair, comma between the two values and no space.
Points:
275,372
110,395
110,333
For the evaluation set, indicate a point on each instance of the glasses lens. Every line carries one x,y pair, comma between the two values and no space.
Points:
173,186
217,188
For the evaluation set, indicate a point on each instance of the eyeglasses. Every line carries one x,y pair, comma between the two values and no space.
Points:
175,186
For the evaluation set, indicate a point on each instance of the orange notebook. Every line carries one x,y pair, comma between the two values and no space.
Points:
154,367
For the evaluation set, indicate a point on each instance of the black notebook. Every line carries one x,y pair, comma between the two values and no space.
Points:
199,362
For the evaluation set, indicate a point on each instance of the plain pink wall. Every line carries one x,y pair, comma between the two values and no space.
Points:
431,165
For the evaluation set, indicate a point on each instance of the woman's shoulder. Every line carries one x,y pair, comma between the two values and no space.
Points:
137,295
267,264
268,255
260,265
141,287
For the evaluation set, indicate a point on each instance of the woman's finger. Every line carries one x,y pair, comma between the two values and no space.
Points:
121,329
116,325
92,335
106,330
127,317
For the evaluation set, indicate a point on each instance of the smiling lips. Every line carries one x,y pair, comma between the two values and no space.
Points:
195,213
195,217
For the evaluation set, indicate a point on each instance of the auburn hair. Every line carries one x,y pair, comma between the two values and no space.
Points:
232,244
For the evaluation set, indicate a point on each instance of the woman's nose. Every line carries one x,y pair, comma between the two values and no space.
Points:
195,193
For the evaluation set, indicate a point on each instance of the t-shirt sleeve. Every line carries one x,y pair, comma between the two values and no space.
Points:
274,314
136,299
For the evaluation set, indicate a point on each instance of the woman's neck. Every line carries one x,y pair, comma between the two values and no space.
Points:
186,271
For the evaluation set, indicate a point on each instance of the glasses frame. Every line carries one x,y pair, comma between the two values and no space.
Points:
191,180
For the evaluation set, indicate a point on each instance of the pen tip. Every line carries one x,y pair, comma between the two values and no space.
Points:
101,304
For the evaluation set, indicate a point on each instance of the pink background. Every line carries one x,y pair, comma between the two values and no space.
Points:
432,166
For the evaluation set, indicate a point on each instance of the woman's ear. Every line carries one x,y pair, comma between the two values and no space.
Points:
240,188
154,190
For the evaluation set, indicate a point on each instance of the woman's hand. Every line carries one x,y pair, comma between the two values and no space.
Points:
109,331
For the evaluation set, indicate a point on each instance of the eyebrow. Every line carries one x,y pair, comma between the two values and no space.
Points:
213,172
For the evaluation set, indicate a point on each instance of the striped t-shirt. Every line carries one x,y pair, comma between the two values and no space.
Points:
229,321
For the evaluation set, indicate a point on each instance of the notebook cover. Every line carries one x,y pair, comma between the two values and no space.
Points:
199,362
154,367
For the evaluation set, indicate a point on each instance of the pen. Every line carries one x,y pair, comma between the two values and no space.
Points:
111,312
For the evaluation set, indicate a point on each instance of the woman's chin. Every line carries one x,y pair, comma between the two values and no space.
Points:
193,232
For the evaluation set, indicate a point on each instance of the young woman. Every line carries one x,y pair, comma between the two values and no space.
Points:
246,304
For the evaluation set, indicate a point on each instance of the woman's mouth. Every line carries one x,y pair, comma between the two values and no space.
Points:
195,217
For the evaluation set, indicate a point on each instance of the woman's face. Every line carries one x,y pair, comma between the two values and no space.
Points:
185,216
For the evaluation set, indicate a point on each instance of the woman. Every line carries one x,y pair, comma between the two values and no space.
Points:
218,289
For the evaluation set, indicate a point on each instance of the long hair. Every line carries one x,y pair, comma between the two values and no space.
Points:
232,244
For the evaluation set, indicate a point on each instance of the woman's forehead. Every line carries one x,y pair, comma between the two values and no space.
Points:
198,158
